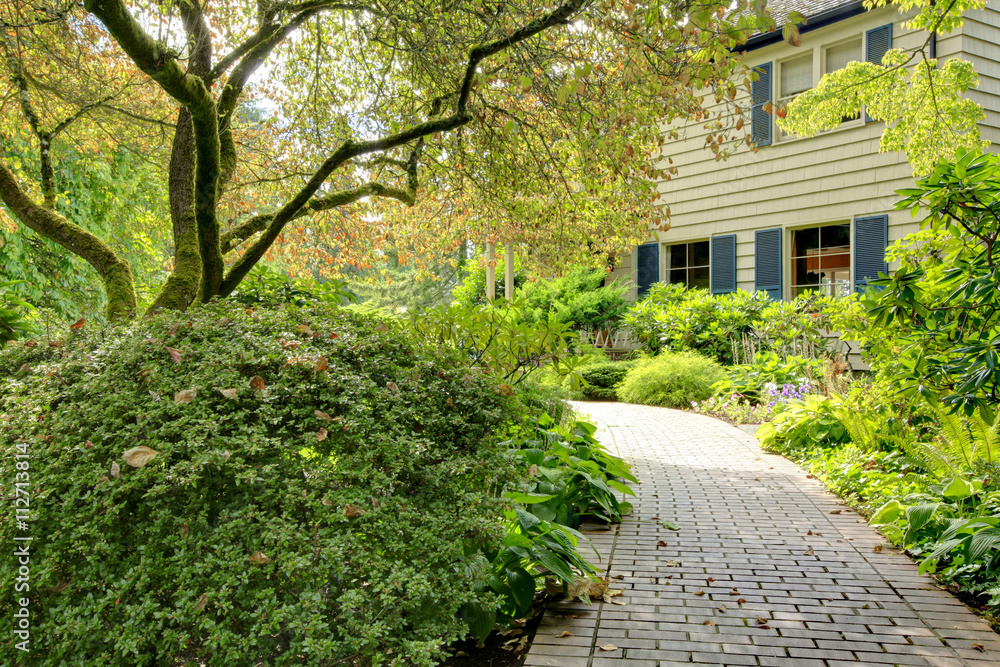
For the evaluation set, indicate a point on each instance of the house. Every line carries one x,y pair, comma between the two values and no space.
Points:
810,213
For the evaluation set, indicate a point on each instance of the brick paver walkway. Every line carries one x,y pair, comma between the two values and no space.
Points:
768,569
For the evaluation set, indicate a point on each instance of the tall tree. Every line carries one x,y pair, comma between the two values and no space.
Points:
512,120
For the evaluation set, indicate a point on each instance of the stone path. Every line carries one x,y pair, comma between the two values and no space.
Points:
768,569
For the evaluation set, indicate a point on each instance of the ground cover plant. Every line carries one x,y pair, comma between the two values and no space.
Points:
243,485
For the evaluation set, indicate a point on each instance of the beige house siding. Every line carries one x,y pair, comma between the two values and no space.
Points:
795,183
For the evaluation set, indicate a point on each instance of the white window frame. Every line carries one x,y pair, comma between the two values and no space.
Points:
666,253
792,285
819,69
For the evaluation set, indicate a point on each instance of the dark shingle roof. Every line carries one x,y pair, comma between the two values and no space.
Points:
818,13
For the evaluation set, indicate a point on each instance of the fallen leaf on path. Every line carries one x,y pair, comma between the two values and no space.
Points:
565,634
608,647
836,511
699,592
979,647
661,543
741,601
709,622
877,548
733,591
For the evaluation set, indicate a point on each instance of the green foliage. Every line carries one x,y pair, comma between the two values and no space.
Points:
471,291
264,286
734,408
803,424
568,475
573,476
670,379
114,196
12,314
944,313
321,487
925,108
601,380
751,380
498,337
580,297
730,327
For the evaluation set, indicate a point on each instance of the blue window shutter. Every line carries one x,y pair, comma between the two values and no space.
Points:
871,236
877,42
767,262
723,264
648,267
760,119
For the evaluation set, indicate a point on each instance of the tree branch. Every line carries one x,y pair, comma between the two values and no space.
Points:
407,195
158,63
350,149
115,272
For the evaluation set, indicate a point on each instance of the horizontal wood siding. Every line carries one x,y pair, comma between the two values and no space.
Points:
833,177
980,44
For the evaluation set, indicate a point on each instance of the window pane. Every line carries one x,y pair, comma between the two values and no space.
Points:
678,276
796,75
835,236
699,253
805,271
833,261
805,242
700,277
838,56
678,256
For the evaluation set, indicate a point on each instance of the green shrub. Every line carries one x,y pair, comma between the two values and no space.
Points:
730,327
671,379
321,488
768,369
602,379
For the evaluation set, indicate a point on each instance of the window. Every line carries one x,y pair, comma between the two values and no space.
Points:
837,57
795,77
688,264
821,260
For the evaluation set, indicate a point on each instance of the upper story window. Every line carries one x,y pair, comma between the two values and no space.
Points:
688,264
802,71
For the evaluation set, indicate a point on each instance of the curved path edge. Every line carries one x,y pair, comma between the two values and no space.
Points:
769,568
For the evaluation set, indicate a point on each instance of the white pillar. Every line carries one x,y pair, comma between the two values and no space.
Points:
491,273
508,271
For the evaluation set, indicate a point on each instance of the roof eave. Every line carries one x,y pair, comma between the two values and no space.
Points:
823,19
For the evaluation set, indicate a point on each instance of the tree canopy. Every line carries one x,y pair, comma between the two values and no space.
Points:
350,125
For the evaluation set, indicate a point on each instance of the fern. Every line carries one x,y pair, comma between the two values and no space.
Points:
963,442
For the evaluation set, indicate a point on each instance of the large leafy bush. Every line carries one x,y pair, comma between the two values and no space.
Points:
320,490
671,379
732,328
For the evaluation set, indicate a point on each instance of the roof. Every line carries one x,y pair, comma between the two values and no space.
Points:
818,13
